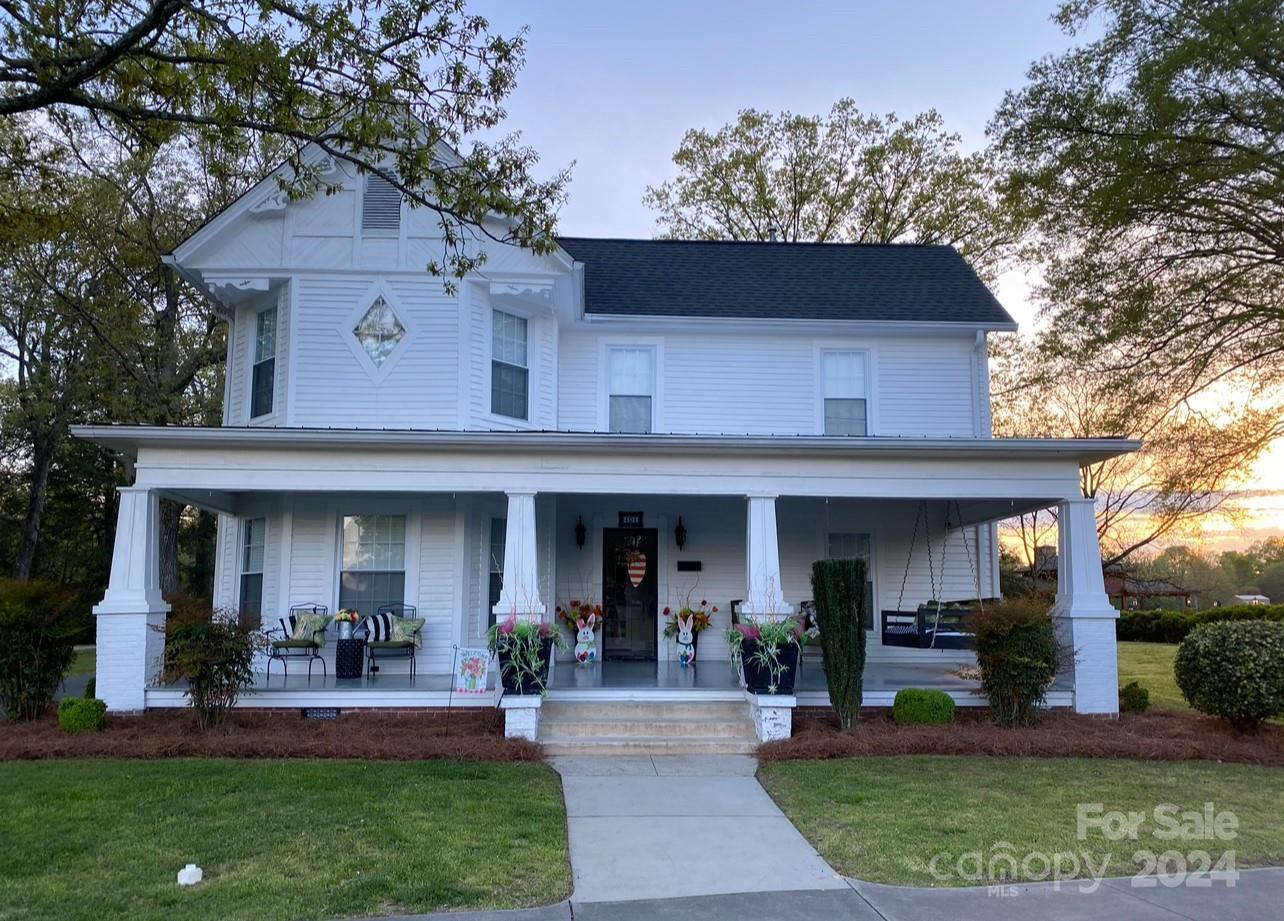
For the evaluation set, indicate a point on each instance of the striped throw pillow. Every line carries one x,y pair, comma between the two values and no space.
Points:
379,627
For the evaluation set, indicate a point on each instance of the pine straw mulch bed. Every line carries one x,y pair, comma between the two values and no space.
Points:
1156,735
174,734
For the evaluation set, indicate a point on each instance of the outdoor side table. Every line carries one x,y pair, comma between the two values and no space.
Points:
348,657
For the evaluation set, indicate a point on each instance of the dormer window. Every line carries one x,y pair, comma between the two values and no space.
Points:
379,331
380,207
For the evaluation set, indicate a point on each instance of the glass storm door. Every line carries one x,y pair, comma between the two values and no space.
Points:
630,593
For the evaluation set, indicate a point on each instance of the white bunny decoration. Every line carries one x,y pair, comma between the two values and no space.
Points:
686,640
586,640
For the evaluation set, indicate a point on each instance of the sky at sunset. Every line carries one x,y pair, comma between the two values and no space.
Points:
613,86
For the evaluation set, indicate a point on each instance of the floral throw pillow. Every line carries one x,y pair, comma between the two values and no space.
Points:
407,630
308,625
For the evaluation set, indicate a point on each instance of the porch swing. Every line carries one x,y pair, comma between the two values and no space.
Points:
935,624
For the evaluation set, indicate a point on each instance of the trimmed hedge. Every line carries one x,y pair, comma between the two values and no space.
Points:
838,586
1234,671
918,706
81,714
1133,698
1175,626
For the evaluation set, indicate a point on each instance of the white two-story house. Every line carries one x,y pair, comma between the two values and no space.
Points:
729,411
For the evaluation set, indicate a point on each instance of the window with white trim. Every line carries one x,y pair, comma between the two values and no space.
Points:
855,546
372,572
509,371
843,389
253,546
263,377
630,377
379,330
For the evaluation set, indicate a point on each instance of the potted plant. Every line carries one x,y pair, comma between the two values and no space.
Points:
767,653
700,618
347,619
524,649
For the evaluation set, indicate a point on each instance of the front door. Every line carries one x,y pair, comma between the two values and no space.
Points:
630,593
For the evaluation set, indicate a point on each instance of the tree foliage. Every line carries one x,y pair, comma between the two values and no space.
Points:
387,85
1149,161
846,177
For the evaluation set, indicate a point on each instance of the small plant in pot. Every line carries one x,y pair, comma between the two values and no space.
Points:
768,653
525,649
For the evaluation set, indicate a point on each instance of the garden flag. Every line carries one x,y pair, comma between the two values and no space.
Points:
637,567
470,675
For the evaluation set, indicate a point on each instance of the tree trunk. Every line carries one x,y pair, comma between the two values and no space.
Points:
171,514
41,464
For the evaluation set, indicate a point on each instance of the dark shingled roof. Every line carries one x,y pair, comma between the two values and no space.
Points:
800,281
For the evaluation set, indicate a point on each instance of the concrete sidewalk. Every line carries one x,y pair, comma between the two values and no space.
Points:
1258,895
663,827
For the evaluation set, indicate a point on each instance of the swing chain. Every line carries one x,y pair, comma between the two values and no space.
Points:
909,557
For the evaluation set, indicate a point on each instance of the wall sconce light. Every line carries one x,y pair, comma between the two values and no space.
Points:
581,532
680,533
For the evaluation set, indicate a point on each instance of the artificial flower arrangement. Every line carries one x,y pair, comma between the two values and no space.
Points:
524,648
347,616
577,611
701,618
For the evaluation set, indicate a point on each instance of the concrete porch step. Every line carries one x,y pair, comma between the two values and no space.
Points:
644,709
741,728
606,745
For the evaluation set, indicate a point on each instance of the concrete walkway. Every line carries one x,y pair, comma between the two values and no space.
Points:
1257,896
664,827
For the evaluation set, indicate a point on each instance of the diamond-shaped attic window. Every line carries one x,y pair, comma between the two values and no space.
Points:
379,331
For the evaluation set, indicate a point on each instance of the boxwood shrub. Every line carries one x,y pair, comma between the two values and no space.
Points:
916,706
1234,670
1133,698
1175,626
81,714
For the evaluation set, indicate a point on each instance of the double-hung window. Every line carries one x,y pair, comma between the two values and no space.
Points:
263,381
509,372
498,535
373,569
849,546
630,379
843,388
253,542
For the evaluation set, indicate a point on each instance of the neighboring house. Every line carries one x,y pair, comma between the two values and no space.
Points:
1252,599
496,450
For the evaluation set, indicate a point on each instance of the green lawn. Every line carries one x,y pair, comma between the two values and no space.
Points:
277,839
1152,665
883,819
83,664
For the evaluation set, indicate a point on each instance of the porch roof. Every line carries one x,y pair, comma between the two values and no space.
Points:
127,439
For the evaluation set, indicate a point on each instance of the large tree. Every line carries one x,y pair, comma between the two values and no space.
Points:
1151,162
376,83
846,177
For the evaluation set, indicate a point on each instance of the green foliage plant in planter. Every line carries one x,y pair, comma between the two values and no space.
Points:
81,714
838,590
1019,656
1234,670
768,652
37,630
1133,698
918,706
525,652
212,652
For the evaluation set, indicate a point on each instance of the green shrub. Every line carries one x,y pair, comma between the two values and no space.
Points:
838,587
1019,656
1133,698
81,714
213,653
914,706
91,687
1175,626
37,630
1234,670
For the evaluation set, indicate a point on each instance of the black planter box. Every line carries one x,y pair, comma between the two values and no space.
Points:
523,683
758,676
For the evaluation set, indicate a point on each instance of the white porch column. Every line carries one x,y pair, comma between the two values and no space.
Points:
1084,616
520,592
763,595
131,616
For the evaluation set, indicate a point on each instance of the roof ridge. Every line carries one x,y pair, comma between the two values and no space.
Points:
906,245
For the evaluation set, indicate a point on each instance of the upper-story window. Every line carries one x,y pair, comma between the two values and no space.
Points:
263,383
630,394
379,330
843,389
509,372
380,207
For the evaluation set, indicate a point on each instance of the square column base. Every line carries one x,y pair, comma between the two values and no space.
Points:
521,716
1091,637
773,715
130,648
